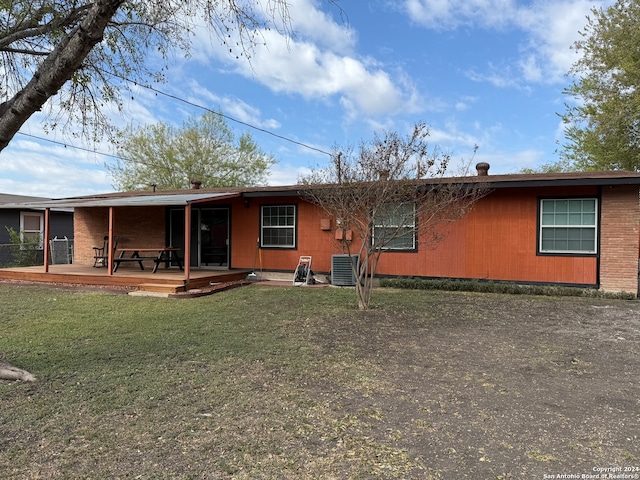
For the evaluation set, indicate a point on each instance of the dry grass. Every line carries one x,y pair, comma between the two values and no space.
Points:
263,382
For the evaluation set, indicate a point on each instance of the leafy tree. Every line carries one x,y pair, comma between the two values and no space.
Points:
389,194
81,50
204,149
603,125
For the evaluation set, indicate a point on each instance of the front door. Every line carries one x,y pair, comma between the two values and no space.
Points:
209,236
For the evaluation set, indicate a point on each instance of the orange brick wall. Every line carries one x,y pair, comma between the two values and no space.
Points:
619,239
135,227
90,225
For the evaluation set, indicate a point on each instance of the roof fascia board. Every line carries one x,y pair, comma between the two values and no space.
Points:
131,201
273,193
569,182
216,197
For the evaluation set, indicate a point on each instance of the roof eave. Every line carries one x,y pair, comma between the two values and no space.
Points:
568,182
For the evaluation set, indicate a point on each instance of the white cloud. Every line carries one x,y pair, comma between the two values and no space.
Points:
531,69
313,24
232,107
501,77
361,86
47,164
39,169
319,62
550,28
283,174
302,68
449,14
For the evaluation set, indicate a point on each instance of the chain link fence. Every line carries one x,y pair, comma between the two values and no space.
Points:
26,255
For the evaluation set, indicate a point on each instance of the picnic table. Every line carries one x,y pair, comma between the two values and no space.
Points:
158,255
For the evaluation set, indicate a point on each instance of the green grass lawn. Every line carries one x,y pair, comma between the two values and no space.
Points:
220,386
267,382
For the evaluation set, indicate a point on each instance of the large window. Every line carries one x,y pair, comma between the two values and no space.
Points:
395,227
278,226
568,226
32,227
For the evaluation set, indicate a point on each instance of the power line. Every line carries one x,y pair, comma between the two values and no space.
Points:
75,147
187,102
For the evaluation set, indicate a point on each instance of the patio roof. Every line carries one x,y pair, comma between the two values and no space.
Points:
133,201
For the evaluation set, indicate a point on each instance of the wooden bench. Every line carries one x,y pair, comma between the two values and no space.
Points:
117,261
163,255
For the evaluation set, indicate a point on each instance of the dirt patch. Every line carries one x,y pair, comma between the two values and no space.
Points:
116,289
295,383
210,289
496,387
72,286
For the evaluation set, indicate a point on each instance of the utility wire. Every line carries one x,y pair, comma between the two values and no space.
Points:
174,97
187,102
66,145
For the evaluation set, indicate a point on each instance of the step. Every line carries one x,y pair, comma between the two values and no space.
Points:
161,288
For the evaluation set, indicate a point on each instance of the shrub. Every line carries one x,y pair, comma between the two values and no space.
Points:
25,251
497,287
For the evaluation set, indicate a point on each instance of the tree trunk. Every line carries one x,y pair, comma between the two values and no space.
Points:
9,372
364,283
59,66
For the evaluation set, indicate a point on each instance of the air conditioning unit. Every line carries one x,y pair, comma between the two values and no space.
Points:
341,270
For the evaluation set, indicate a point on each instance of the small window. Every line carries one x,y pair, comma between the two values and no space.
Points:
278,226
32,228
568,226
395,227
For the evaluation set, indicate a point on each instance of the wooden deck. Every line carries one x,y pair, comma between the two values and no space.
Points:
165,280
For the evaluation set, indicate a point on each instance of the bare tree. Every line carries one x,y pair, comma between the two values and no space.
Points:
80,50
388,195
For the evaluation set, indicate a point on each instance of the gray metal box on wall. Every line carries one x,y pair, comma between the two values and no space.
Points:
342,270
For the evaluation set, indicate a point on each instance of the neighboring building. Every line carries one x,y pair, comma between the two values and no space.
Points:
577,229
29,222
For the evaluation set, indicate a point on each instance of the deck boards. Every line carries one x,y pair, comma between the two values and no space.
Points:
127,277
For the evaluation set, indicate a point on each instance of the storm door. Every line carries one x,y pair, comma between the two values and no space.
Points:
209,236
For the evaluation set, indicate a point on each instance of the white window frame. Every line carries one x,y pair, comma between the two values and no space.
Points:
293,227
383,222
40,230
570,224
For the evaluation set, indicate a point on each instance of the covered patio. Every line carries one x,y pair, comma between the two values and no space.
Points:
156,228
171,280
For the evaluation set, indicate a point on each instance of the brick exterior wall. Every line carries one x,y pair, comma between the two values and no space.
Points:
135,227
619,239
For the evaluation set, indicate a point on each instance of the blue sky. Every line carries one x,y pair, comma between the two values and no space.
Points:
478,72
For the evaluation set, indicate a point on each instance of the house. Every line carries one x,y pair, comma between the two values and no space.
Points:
574,229
29,222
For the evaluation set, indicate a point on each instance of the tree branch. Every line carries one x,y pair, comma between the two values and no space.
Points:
65,59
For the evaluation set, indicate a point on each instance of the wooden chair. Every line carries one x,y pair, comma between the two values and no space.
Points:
100,254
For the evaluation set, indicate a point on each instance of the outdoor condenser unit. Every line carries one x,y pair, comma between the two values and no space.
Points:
341,270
